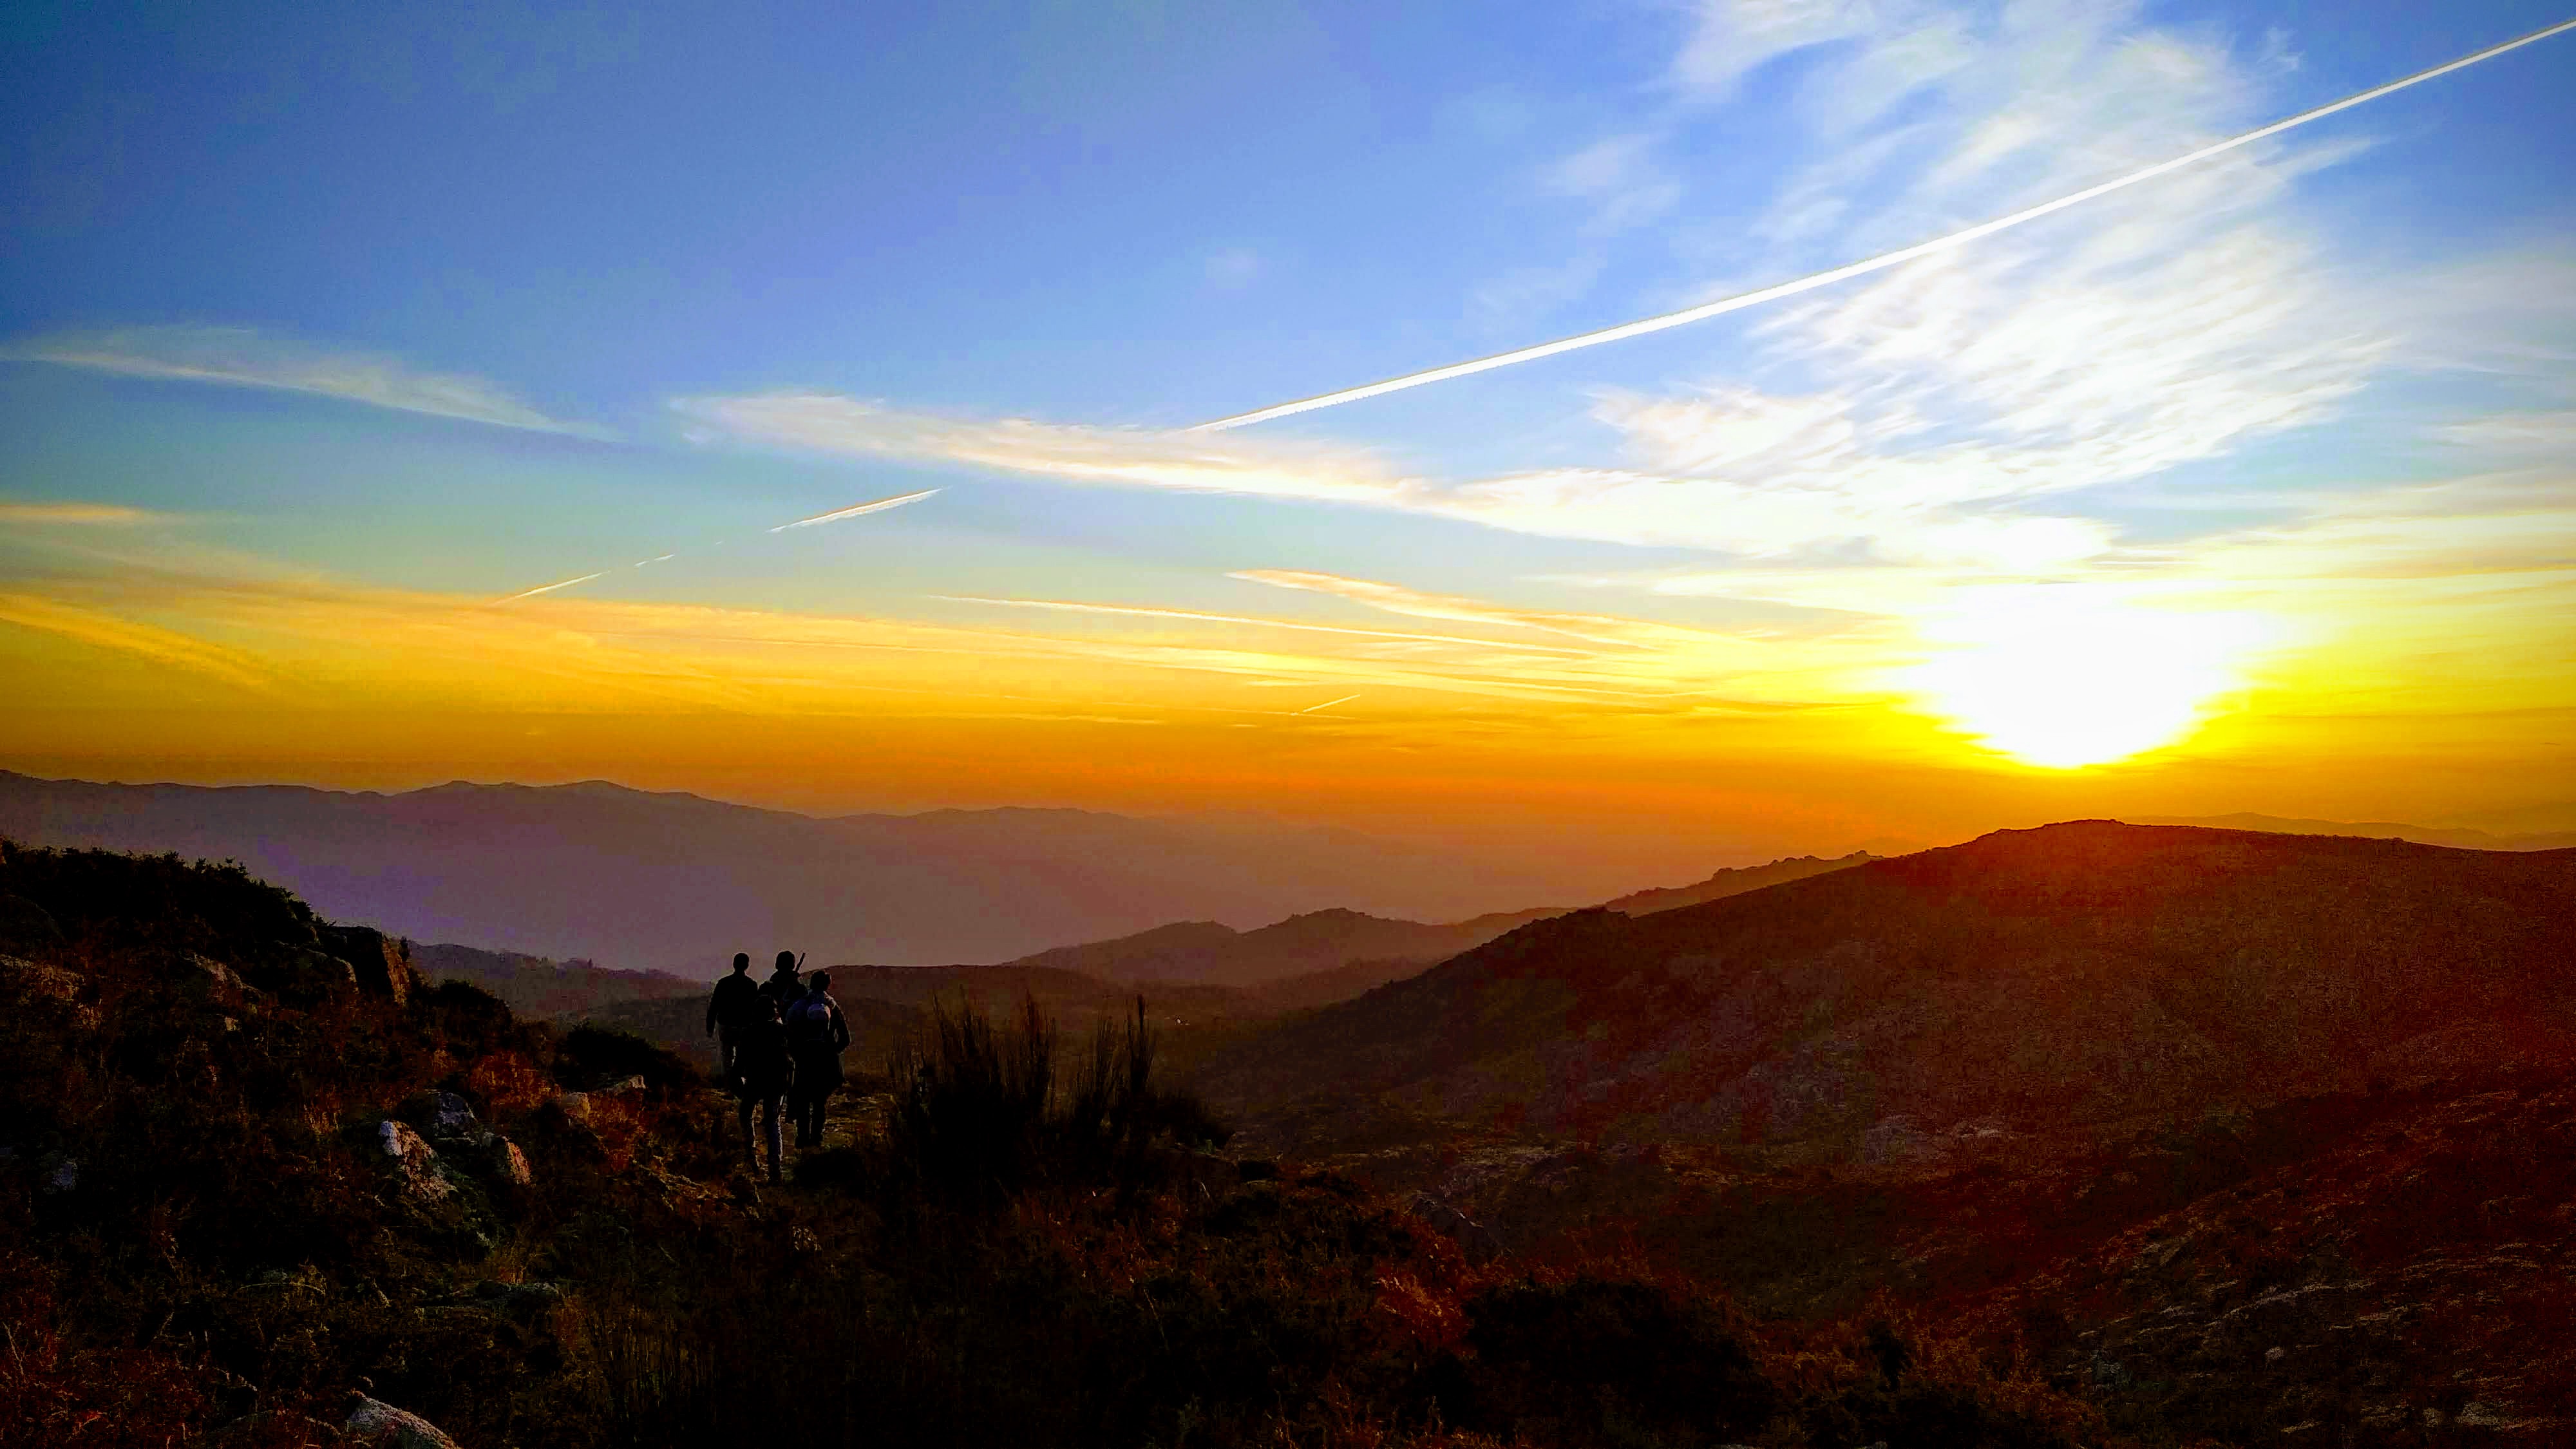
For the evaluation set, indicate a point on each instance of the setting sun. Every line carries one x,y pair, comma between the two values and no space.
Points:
2060,681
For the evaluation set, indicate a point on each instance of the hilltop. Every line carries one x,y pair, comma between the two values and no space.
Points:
2077,978
1733,882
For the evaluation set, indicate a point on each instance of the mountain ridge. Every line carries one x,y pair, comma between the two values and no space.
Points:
668,879
2069,978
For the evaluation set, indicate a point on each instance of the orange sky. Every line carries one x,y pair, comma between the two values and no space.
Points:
1648,750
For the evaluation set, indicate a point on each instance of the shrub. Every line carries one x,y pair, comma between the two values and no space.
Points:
593,1056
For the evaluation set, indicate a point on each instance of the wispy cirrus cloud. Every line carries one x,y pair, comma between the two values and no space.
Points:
105,629
1137,457
78,515
243,357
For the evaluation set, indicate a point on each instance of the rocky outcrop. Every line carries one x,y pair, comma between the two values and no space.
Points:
457,1136
300,975
374,1422
415,1161
507,1164
381,964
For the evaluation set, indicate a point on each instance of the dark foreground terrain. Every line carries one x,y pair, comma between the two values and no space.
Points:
1604,1181
265,1187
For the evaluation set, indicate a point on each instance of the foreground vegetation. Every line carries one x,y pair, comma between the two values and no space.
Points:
205,1235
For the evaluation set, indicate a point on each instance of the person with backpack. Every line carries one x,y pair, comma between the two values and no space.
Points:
817,1034
729,1009
762,1072
784,986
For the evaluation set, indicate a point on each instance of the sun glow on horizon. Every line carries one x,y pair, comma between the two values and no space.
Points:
2062,681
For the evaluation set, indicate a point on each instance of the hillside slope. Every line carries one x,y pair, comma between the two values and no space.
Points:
2080,977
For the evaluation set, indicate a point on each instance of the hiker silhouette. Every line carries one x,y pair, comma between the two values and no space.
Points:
784,986
817,1034
729,1009
762,1072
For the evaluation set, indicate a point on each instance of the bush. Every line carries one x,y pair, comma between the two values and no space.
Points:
591,1056
981,1113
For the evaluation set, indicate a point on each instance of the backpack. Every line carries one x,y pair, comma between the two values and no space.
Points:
809,1022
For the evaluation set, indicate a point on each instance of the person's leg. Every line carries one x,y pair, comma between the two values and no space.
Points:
750,1149
769,1129
724,1054
822,1102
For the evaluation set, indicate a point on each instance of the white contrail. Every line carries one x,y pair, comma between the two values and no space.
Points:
879,506
1881,262
1328,704
549,588
837,515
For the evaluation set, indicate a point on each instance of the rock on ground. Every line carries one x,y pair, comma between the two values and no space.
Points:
377,1423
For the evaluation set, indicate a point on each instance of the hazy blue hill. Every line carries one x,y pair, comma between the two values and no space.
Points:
677,882
1318,941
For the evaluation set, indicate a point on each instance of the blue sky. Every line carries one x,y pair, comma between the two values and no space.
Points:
464,304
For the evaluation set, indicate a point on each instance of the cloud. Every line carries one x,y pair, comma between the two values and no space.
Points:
1397,599
240,357
1138,457
1731,39
101,629
85,515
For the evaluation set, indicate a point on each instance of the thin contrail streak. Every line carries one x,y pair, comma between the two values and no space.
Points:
549,588
1328,704
1721,307
837,515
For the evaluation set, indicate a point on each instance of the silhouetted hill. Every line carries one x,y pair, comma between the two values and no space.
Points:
1204,951
1733,883
2081,977
2371,830
674,881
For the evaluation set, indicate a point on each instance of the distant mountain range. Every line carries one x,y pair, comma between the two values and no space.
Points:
678,882
2080,978
1355,951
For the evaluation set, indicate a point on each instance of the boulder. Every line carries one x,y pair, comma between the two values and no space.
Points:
380,1424
381,963
400,1141
508,1163
443,1116
415,1161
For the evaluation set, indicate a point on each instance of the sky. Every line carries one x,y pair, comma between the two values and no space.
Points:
389,396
